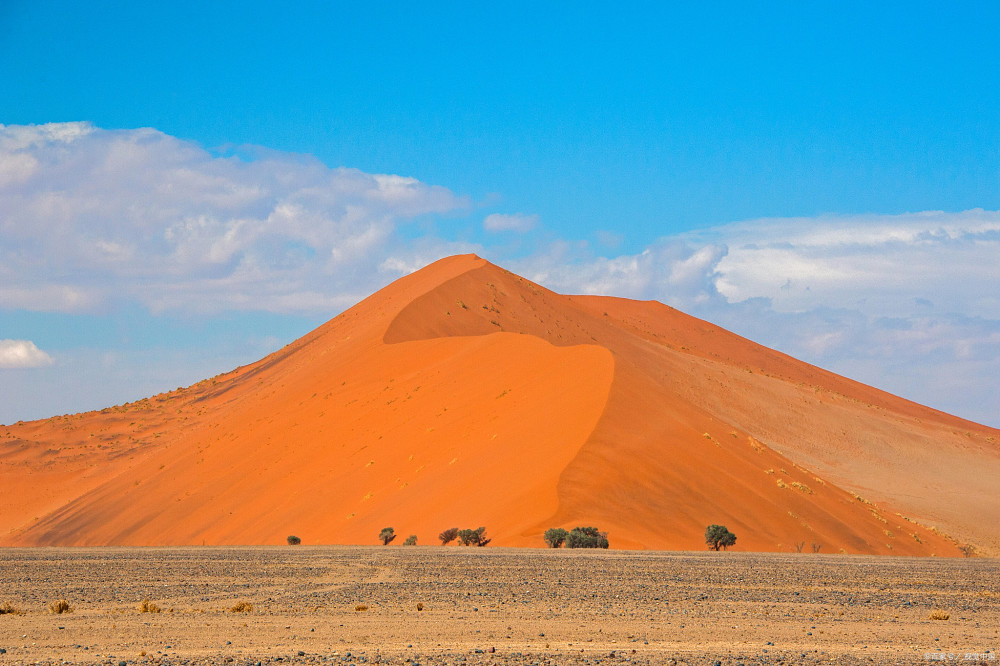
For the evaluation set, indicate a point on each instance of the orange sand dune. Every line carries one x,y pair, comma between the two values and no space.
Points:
464,395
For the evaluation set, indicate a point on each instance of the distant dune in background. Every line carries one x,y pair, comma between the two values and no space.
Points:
463,395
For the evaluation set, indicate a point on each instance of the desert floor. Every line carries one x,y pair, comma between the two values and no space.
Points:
361,605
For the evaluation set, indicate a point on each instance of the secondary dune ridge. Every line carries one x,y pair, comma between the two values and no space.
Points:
464,395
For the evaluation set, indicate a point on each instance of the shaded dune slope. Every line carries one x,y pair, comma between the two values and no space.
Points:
464,395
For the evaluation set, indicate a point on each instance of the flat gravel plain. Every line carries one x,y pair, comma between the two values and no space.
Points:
453,605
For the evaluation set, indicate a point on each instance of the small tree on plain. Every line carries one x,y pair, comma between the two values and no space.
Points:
386,535
411,540
555,536
586,537
718,536
476,537
293,540
448,535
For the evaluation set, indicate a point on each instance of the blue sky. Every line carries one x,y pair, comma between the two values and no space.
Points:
185,188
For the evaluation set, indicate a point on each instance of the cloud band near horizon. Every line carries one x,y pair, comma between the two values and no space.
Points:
91,218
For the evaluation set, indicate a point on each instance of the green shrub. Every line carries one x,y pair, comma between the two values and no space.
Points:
718,536
411,540
555,536
476,537
586,537
294,540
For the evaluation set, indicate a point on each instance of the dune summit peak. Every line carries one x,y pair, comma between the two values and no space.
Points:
464,395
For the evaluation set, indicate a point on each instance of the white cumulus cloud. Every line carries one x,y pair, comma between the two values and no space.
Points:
907,303
88,216
878,264
22,354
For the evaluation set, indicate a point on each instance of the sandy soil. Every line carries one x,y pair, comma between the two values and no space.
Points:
491,605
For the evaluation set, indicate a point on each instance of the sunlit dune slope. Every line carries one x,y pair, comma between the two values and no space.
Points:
464,395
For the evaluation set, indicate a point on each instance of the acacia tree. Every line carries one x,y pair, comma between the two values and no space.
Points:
448,535
386,535
554,536
718,536
476,537
586,537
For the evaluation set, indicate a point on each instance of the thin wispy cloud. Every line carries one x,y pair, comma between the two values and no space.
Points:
22,354
518,222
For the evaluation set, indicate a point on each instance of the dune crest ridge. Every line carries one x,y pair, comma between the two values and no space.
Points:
465,395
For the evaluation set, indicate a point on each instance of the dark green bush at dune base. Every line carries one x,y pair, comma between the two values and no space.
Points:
718,536
586,537
476,537
555,536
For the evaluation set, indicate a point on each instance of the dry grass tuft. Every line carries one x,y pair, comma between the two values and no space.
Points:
242,607
7,609
939,615
60,607
360,608
148,606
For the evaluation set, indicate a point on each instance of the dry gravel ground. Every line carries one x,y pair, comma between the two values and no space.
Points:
491,605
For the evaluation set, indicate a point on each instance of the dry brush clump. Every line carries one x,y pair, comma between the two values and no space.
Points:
7,608
60,607
148,606
939,615
242,607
